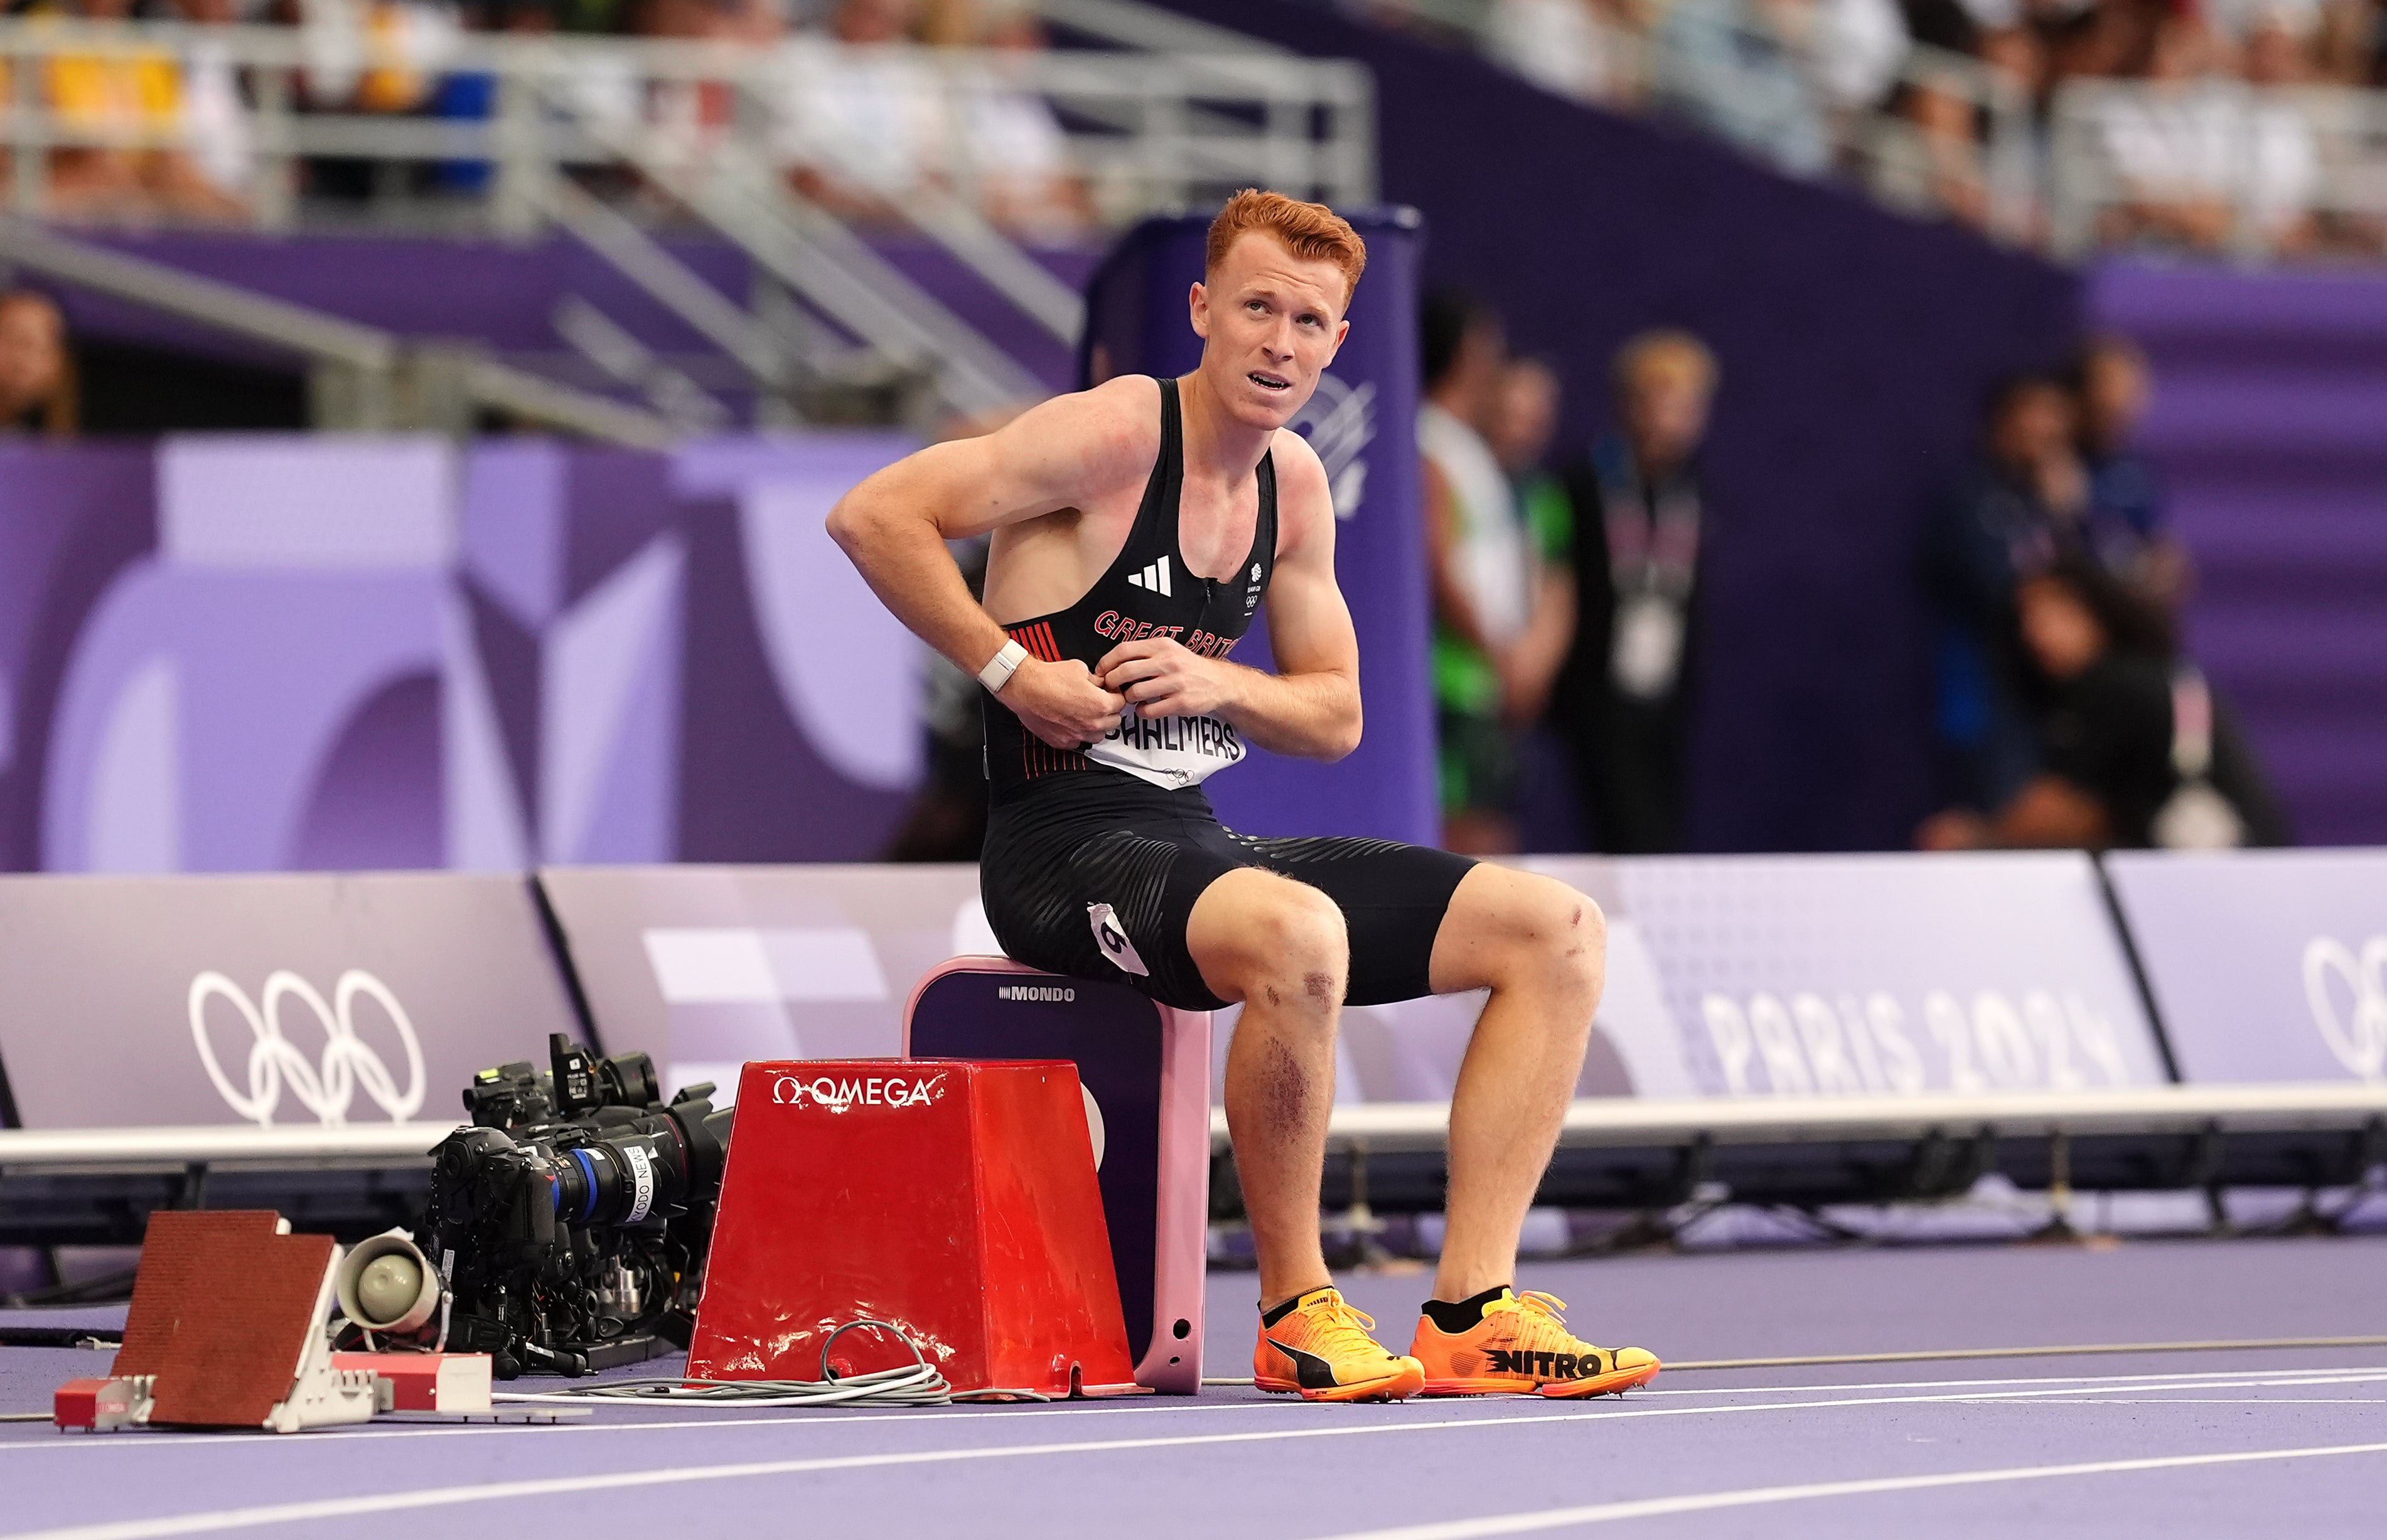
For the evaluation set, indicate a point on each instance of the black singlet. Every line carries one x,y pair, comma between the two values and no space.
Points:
1147,591
1094,860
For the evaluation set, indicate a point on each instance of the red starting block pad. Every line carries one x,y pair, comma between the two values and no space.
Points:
1146,1072
955,1200
226,1330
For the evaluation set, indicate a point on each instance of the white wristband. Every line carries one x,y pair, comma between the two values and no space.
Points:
1001,666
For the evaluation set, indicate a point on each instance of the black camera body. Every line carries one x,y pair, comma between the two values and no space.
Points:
572,1220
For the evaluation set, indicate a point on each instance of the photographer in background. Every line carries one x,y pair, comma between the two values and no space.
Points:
2137,750
1625,700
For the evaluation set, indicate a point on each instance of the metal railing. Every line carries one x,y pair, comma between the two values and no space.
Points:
359,377
2218,165
1149,130
608,136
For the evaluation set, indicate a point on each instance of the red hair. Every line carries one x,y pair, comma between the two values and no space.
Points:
1310,230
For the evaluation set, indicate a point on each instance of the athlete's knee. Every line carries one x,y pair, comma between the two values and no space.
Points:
1559,935
1296,950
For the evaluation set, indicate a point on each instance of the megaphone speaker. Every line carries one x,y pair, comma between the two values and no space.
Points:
388,1286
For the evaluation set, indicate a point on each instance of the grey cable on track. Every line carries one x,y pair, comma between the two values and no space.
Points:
2076,1350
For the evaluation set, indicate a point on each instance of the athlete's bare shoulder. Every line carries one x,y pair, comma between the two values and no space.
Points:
1089,442
1305,497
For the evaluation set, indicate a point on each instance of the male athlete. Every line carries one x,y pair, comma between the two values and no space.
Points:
1136,528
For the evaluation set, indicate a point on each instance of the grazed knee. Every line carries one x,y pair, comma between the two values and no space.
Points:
1563,936
1299,951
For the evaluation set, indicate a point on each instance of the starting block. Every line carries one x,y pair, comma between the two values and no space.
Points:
953,1201
1145,1068
225,1331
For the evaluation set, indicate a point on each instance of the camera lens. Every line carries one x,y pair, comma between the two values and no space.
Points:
620,1181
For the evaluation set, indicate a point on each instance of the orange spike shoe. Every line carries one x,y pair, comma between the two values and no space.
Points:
1318,1347
1522,1347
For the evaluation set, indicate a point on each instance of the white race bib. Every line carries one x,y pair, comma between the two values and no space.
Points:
1169,751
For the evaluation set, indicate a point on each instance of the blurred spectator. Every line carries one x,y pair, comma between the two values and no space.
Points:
1573,48
1626,697
1493,654
2127,531
2280,169
2007,518
866,125
2175,148
1520,420
1027,180
376,55
1858,47
1738,66
37,375
2137,750
137,98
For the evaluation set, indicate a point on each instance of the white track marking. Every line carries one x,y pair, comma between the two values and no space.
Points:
696,1418
2216,1375
394,1502
1705,1502
2281,1380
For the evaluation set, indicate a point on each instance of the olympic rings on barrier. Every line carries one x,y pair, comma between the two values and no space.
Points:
347,1061
2360,1043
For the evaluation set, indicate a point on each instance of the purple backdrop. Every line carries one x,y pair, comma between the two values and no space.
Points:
259,653
2269,424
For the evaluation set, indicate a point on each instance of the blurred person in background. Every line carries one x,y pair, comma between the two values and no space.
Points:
867,126
1024,176
1497,640
135,95
2008,517
2128,529
1574,48
2137,750
1625,700
2187,155
37,375
1739,67
1521,421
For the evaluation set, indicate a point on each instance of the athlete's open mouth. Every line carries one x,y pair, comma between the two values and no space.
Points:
1269,381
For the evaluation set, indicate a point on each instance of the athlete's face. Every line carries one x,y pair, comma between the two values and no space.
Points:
1270,323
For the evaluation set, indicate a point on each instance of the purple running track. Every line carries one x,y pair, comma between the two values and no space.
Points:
2290,1440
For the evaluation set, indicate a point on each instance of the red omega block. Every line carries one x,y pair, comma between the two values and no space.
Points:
955,1200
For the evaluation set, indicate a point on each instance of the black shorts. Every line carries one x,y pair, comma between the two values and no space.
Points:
1075,851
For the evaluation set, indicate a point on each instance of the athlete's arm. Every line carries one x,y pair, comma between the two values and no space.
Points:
1311,706
1058,455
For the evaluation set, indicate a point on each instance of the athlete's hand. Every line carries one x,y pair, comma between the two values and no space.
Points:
1160,676
1061,702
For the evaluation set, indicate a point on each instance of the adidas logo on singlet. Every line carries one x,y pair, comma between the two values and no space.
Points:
1154,577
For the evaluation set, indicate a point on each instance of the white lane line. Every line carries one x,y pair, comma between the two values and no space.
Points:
2233,1401
2280,1380
694,1418
2213,1374
710,1418
392,1502
1754,1497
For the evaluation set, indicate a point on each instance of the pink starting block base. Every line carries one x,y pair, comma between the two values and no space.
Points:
1145,1070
